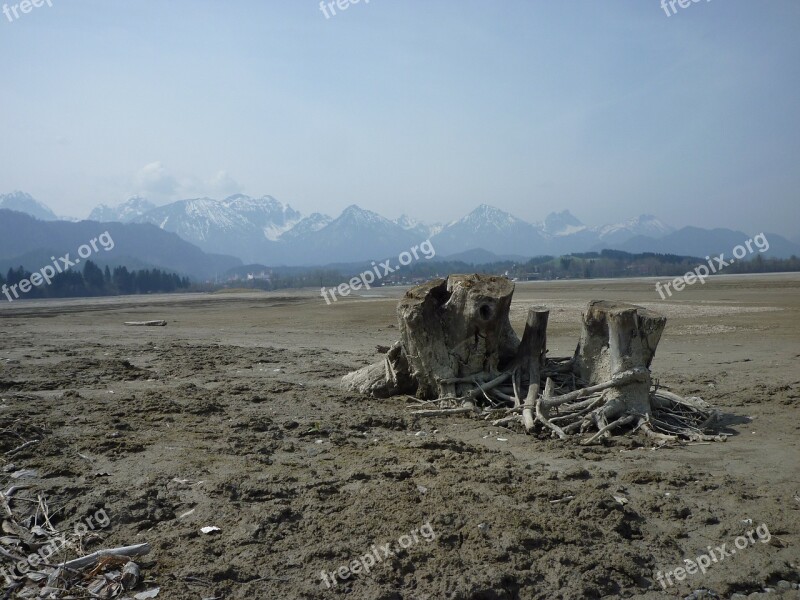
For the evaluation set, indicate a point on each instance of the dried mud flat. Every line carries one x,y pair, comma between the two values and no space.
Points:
230,417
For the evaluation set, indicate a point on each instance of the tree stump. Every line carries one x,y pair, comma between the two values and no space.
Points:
456,329
457,346
593,356
618,341
453,331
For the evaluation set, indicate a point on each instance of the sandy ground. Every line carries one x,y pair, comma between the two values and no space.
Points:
230,416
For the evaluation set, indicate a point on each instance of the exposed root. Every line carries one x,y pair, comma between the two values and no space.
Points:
578,411
626,420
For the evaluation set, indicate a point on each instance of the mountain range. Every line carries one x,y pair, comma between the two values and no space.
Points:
267,231
33,243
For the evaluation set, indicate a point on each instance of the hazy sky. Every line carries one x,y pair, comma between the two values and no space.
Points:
425,107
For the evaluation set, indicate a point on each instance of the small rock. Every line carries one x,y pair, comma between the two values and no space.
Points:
784,585
577,473
702,594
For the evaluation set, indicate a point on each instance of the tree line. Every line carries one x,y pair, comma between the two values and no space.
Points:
94,281
585,265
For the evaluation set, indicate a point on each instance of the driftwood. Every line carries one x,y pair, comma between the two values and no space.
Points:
126,551
146,323
457,347
34,550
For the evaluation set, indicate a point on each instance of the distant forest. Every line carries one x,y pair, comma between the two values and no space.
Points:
94,281
586,265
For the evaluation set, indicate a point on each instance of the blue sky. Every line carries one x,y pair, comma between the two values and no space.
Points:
610,109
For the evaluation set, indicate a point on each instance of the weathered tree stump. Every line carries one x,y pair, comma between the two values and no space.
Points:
593,355
457,346
618,342
454,329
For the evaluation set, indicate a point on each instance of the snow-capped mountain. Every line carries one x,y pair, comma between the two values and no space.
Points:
126,212
644,225
273,217
561,224
310,224
420,229
490,228
25,203
268,231
356,235
239,225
